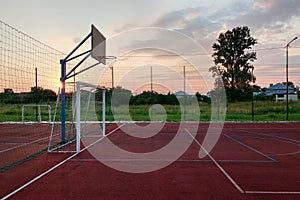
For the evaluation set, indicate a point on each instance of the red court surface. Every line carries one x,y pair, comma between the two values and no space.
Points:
249,161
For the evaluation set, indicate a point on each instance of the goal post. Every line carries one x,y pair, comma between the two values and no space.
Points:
78,104
85,117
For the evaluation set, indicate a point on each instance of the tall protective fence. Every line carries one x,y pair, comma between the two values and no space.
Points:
29,85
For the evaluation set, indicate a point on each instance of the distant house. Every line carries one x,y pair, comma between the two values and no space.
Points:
258,93
181,94
8,90
278,92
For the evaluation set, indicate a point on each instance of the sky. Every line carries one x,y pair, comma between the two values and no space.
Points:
62,24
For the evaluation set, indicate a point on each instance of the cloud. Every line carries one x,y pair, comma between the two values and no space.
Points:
173,19
272,22
193,22
265,17
126,27
268,18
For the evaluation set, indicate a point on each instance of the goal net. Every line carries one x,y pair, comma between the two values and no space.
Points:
85,117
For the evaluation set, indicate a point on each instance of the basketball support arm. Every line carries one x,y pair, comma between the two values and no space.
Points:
65,76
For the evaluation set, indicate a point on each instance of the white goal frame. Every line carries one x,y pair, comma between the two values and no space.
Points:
77,119
77,111
39,110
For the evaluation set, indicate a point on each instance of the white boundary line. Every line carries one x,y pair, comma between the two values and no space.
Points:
166,160
249,147
270,135
25,144
54,167
279,137
276,139
270,192
217,164
284,139
235,183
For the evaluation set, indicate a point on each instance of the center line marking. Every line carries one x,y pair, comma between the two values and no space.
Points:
217,164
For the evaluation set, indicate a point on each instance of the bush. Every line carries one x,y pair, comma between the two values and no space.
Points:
260,97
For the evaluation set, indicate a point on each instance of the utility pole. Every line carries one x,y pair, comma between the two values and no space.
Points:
287,77
36,94
151,79
111,66
184,98
252,85
112,76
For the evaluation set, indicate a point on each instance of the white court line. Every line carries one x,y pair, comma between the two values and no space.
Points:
283,138
25,144
235,183
276,139
166,160
54,167
217,164
270,135
251,148
253,128
271,192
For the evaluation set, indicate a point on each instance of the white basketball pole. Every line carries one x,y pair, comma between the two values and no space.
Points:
78,117
103,112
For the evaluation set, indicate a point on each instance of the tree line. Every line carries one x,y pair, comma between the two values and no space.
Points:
121,96
36,95
116,96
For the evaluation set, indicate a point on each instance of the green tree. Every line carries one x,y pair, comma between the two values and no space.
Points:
233,63
149,98
42,95
145,98
114,96
120,96
8,96
202,98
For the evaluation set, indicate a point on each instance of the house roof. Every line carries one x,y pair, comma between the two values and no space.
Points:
180,93
280,86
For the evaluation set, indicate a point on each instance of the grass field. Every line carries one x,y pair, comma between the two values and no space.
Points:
239,111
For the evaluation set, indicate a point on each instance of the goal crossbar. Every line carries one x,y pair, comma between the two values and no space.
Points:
78,112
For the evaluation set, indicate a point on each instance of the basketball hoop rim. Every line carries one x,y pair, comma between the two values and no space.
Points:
107,57
110,57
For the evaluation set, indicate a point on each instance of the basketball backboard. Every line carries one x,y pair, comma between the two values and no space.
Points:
98,45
